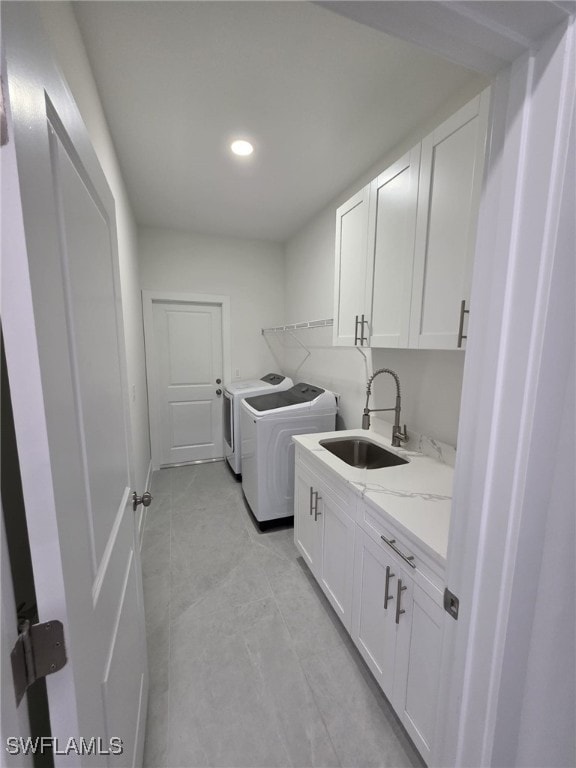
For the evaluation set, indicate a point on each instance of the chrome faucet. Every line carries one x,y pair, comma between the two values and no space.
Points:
399,436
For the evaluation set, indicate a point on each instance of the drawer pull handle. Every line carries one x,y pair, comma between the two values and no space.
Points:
311,500
399,611
408,558
387,596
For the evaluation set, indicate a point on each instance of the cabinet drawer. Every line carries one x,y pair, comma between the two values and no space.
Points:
425,571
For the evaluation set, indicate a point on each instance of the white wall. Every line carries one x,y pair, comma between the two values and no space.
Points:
69,52
431,381
250,272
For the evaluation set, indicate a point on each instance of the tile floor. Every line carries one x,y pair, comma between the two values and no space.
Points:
249,666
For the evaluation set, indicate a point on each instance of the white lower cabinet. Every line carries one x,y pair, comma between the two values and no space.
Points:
397,627
336,572
387,595
324,534
306,529
373,620
418,656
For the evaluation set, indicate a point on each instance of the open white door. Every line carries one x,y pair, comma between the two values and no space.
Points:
62,324
14,724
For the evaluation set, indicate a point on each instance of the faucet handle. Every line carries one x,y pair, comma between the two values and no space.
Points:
400,434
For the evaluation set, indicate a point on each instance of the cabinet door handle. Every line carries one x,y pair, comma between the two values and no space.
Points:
387,596
463,311
363,322
355,330
316,513
314,503
399,611
409,558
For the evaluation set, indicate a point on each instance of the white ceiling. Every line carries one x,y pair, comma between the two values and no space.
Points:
321,96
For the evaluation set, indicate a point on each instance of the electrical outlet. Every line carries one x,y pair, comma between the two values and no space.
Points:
133,393
237,373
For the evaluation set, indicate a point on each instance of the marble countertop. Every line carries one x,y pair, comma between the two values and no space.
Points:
416,496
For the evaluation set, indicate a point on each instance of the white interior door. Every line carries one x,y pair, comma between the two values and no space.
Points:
185,374
62,322
14,723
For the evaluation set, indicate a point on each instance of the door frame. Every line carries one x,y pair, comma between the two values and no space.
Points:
498,526
149,297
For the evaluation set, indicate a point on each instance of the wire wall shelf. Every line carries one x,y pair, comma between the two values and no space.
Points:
299,326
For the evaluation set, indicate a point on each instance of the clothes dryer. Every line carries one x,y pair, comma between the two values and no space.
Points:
268,423
233,395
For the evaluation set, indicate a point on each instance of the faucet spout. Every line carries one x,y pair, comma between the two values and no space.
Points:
399,435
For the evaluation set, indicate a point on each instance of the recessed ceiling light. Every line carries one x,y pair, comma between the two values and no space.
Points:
242,147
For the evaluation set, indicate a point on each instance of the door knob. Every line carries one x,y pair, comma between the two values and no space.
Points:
218,392
145,499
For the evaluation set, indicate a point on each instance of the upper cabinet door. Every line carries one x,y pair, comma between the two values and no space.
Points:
350,271
392,230
451,173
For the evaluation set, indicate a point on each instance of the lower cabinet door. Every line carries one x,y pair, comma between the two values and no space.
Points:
418,657
306,528
337,557
374,628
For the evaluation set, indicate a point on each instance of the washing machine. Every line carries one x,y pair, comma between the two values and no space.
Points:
267,424
233,395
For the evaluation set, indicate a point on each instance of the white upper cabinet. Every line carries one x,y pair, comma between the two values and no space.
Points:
351,270
451,173
392,229
405,243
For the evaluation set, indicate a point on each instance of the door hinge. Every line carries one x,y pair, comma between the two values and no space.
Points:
38,651
451,603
